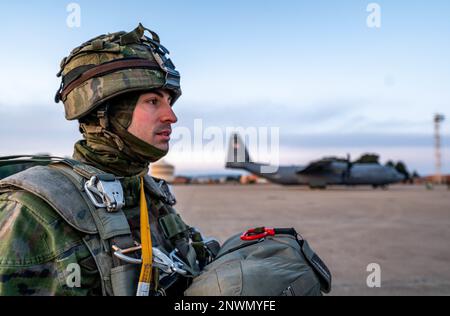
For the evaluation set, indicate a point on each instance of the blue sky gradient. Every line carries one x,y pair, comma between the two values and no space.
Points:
313,68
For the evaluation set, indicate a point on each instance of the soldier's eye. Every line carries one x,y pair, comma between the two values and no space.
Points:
153,101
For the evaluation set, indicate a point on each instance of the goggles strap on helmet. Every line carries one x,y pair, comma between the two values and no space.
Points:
102,115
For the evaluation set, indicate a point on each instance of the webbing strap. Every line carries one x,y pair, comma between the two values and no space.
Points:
108,224
52,186
187,252
83,170
112,229
103,261
108,68
145,278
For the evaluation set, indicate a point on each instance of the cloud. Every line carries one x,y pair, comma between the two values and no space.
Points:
306,132
267,113
362,140
36,129
325,116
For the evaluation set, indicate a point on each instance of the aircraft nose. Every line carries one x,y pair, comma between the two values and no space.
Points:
400,177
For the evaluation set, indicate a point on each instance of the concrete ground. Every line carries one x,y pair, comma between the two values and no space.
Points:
406,229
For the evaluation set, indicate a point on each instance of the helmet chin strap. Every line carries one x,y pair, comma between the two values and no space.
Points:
103,129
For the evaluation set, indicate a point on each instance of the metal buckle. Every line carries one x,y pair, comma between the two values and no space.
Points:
160,259
107,190
160,53
120,253
166,264
167,191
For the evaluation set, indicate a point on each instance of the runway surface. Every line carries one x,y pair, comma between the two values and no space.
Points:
405,230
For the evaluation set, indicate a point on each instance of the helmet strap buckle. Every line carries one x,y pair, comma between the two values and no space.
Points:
103,117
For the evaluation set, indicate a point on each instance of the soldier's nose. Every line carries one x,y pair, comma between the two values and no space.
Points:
169,116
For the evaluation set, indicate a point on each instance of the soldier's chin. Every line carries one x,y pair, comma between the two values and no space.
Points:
162,145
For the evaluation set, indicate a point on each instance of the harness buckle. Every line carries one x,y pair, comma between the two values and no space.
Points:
160,259
105,191
166,264
121,253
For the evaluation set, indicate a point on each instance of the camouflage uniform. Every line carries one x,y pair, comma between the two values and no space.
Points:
37,245
51,223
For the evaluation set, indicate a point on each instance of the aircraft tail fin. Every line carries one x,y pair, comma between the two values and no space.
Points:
238,156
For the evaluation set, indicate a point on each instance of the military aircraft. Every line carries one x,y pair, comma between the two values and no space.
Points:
318,174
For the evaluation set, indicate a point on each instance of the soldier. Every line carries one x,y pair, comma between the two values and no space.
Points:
97,224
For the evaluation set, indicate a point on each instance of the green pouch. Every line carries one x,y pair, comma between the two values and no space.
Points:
124,280
273,266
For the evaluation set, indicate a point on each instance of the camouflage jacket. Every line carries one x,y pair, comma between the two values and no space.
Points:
37,246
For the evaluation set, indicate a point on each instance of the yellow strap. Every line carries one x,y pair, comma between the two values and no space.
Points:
145,278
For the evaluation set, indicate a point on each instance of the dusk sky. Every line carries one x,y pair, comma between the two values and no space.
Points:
314,69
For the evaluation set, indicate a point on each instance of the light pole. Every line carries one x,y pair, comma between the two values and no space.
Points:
438,119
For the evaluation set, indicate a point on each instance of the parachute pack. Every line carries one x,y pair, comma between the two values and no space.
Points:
264,262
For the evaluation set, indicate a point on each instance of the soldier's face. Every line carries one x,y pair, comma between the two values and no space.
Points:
152,119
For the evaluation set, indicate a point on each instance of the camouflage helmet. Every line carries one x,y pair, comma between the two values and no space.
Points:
111,65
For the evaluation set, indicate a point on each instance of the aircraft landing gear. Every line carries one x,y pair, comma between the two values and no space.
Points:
318,187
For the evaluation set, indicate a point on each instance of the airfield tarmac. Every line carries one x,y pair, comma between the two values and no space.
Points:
406,229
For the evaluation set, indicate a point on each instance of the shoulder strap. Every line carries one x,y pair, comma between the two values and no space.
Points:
54,188
61,185
57,184
108,224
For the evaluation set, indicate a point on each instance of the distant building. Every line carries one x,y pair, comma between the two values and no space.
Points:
253,179
431,179
208,179
181,180
163,170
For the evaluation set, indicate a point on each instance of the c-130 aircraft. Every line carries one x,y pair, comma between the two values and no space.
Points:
318,174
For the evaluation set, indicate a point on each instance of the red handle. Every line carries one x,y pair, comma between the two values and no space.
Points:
257,233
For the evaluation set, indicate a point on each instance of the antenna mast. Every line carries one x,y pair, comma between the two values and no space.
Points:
438,119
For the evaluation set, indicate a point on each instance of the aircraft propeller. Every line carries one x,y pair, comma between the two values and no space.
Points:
349,166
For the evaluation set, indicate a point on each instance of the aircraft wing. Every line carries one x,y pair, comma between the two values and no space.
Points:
315,167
